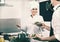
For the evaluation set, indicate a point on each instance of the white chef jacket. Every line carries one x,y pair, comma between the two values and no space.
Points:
29,23
31,28
56,21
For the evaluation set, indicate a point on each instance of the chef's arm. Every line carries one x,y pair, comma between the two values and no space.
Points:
45,27
46,38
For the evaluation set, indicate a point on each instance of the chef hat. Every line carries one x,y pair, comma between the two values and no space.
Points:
34,4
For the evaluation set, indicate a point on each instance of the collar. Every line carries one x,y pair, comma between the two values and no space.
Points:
33,16
55,8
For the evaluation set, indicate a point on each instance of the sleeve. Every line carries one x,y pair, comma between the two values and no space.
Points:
56,24
41,19
23,24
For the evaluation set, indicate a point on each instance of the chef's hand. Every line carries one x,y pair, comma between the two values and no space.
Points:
18,26
32,36
39,24
37,37
45,27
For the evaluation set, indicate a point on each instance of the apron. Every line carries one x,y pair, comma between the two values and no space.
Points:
52,33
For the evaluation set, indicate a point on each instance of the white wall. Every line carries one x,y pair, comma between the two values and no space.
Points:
12,9
15,8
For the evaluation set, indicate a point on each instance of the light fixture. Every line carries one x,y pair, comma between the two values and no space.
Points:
36,0
2,2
